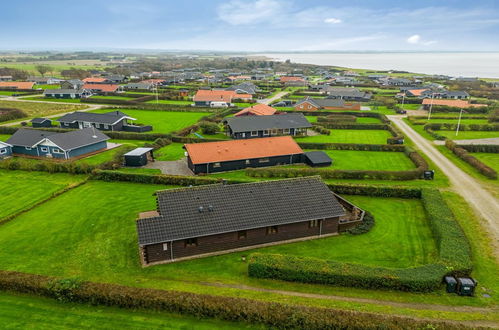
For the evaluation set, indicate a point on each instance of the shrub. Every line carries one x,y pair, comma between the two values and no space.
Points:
209,127
64,289
477,164
320,129
363,227
7,114
493,116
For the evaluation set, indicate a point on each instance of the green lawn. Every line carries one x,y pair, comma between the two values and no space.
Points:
20,190
467,135
4,137
174,102
38,109
29,312
101,157
359,120
9,93
162,121
102,97
99,239
349,136
171,152
369,160
490,159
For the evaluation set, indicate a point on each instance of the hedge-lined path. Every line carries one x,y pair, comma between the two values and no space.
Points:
89,108
273,98
483,202
492,141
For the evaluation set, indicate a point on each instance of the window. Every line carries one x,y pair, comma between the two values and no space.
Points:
85,124
3,151
263,160
266,132
254,133
190,242
271,230
248,162
165,246
286,131
314,223
274,131
44,149
241,234
301,106
56,151
28,148
106,126
216,165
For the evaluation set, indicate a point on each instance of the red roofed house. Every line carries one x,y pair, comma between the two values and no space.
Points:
209,157
217,98
415,92
427,103
102,88
17,84
94,80
257,110
293,81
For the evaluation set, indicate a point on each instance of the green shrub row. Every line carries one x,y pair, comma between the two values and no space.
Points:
487,148
23,164
311,270
337,119
377,191
158,143
470,127
167,107
477,164
356,126
443,108
7,114
453,246
270,314
351,146
433,134
320,129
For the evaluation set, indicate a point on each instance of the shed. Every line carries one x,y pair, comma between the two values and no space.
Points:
41,122
317,158
139,157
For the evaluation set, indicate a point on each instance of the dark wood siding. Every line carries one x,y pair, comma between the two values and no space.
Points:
229,241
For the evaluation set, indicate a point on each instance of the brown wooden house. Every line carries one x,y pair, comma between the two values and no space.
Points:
215,219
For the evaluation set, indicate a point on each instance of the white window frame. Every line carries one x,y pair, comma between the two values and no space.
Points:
57,151
287,131
27,148
264,160
106,126
217,165
44,149
165,246
266,132
86,124
274,131
254,133
248,162
3,151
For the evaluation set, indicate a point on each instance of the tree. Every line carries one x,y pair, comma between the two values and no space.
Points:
209,128
43,69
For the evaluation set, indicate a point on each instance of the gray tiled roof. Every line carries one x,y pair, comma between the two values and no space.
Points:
65,141
318,157
237,207
257,123
39,120
101,118
63,91
321,103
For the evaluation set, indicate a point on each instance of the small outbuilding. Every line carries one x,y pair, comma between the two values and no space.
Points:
317,158
139,157
41,122
5,150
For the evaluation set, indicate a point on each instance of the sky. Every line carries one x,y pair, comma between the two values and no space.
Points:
251,25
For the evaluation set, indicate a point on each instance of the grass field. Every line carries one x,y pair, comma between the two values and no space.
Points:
349,136
490,159
101,244
34,109
369,160
467,135
359,120
4,137
19,189
28,312
171,152
101,157
175,102
57,65
50,99
162,121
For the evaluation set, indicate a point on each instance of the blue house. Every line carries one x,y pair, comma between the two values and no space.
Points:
68,145
5,150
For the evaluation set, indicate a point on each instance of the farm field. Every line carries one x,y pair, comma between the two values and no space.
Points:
369,160
33,109
102,246
29,312
57,65
19,189
162,121
349,136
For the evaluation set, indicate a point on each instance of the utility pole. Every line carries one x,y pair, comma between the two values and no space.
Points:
431,105
403,100
459,122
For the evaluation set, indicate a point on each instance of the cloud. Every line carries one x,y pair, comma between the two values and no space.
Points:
332,20
239,12
415,39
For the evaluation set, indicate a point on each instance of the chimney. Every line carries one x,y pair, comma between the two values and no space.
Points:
201,209
210,208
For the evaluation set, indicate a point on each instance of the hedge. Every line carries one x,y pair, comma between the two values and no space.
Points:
453,246
320,129
377,191
7,114
453,250
351,146
470,127
312,270
487,148
428,128
476,163
443,108
271,314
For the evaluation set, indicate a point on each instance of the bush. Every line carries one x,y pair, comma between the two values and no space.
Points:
209,128
493,116
273,315
7,114
477,164
311,270
320,129
453,246
351,146
363,227
63,289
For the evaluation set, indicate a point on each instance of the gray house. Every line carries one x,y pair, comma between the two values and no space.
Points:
244,88
348,94
40,122
67,93
37,143
5,150
110,121
246,127
139,86
72,84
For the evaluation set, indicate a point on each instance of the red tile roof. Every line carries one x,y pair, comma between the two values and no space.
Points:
102,87
153,81
92,80
214,152
452,103
17,84
417,92
290,78
258,110
204,95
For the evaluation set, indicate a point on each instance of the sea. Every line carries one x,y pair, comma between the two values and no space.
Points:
455,64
